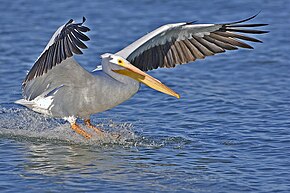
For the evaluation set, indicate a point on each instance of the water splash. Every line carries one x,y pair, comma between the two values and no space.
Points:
22,124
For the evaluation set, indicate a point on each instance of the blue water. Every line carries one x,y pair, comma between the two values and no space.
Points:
229,132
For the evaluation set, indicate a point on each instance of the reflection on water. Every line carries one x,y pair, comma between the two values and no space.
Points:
80,164
47,159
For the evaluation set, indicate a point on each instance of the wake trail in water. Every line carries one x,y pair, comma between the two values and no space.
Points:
22,124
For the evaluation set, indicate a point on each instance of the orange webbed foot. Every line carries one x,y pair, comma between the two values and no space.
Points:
80,131
97,130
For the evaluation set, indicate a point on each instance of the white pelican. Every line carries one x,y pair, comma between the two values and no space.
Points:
58,86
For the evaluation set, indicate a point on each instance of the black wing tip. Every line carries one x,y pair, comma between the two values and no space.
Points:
191,22
239,26
245,20
242,30
69,22
249,25
232,24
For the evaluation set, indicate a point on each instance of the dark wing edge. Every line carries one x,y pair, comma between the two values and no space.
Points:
66,43
230,36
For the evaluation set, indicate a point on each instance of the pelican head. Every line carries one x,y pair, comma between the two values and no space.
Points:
123,67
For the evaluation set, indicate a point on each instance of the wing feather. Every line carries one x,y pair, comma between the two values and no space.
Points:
190,47
196,49
65,42
219,43
237,36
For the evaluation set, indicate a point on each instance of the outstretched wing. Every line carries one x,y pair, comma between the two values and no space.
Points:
65,42
182,43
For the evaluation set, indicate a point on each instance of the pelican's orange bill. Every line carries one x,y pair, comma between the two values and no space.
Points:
145,78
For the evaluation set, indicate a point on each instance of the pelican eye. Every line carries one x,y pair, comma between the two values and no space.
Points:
120,61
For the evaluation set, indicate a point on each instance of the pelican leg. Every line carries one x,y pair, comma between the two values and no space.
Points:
80,131
89,125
